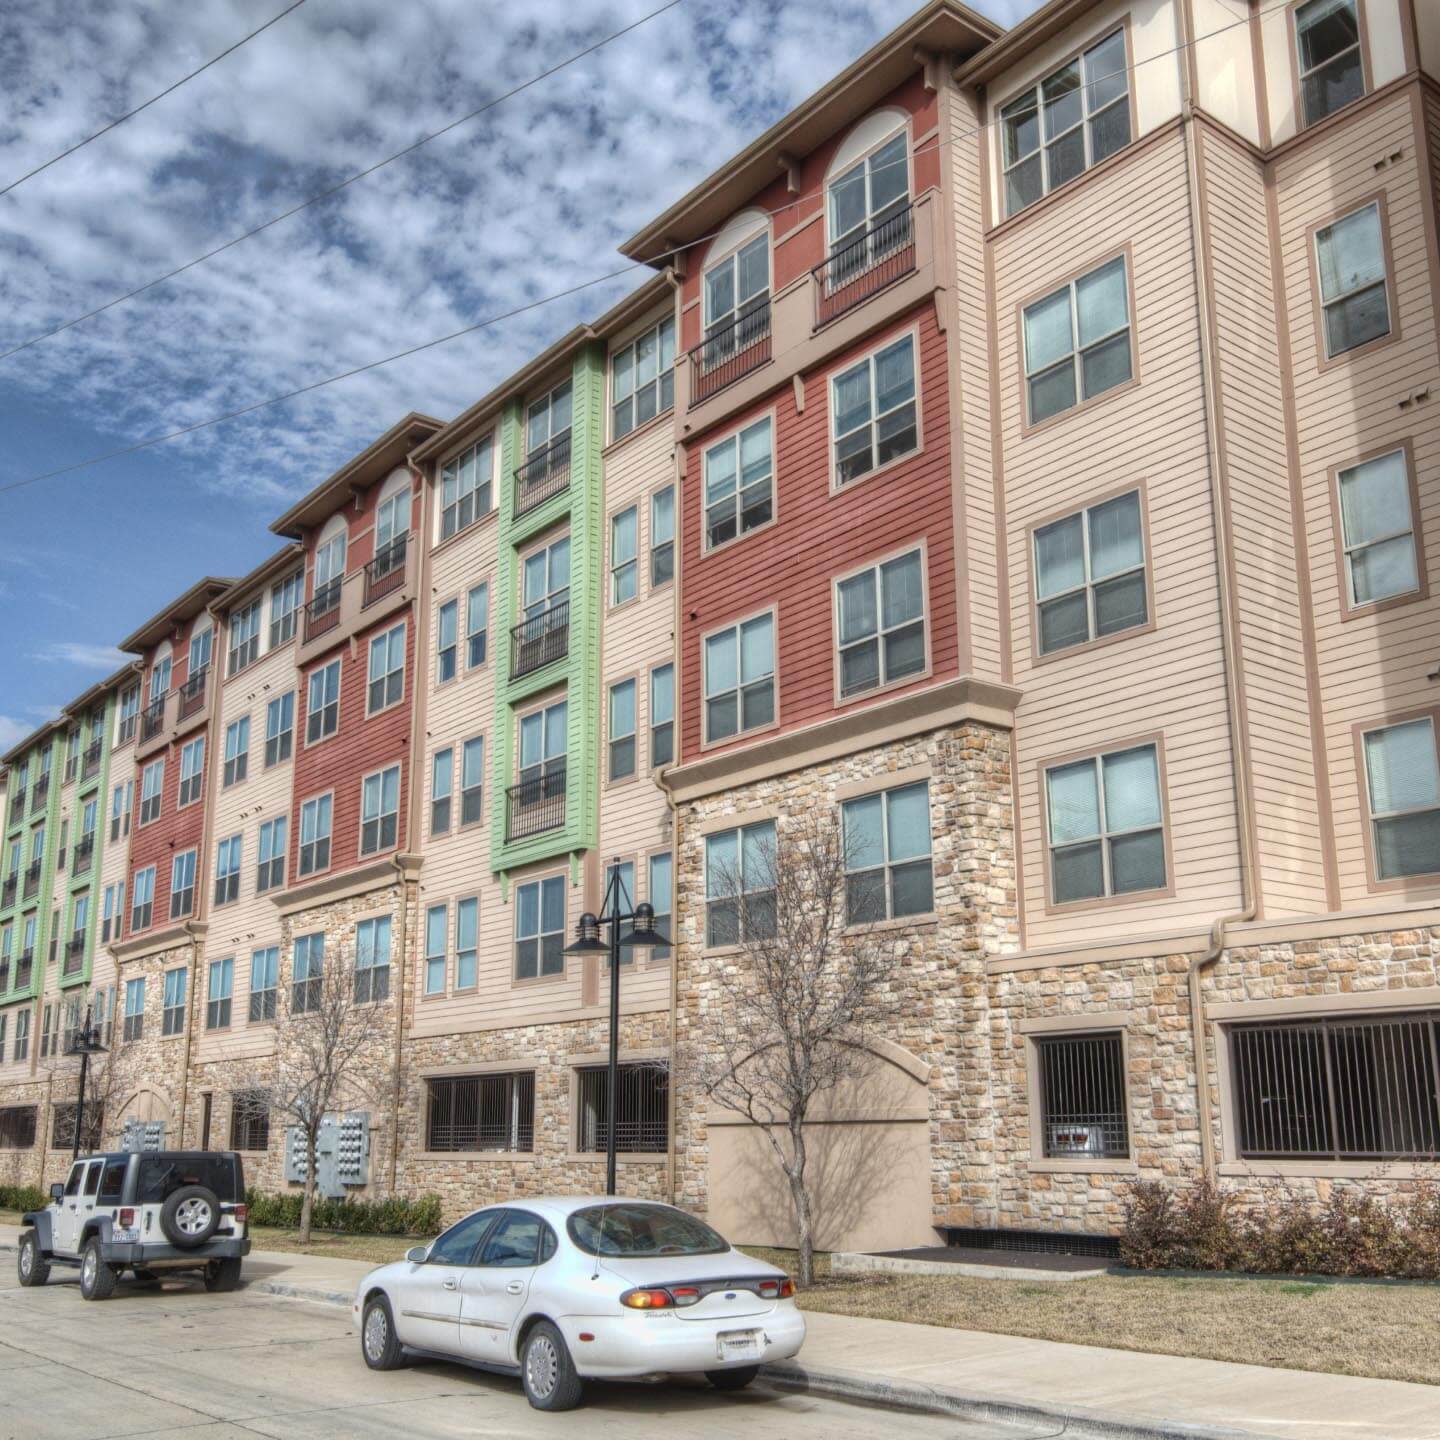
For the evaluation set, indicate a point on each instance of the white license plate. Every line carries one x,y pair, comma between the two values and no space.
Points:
124,1237
738,1345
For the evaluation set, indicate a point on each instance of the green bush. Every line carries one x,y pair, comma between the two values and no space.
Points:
391,1215
23,1197
1199,1228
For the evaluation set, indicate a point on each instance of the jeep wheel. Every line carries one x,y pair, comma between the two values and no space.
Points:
190,1216
97,1275
34,1268
382,1351
223,1274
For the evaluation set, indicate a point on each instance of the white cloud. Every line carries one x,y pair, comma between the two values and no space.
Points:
78,652
12,732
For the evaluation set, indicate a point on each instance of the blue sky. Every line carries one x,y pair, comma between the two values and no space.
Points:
529,199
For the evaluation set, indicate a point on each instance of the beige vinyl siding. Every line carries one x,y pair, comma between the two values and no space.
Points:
1171,679
1374,664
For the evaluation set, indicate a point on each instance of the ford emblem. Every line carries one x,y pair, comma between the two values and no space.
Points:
729,1294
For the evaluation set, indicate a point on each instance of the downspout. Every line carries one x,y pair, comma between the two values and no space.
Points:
404,968
1239,755
194,985
662,782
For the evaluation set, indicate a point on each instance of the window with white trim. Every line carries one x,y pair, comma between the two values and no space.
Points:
661,895
472,780
1402,777
286,597
128,715
642,378
315,819
244,647
437,922
1354,288
134,1026
1090,575
1327,43
1378,529
202,642
887,855
447,641
307,973
160,677
387,670
192,771
152,787
322,708
540,928
467,929
737,300
466,487
442,782
380,811
270,865
227,870
880,623
547,421
477,625
182,884
264,981
237,751
662,536
279,728
740,885
873,419
624,555
622,730
1077,341
868,212
740,678
172,1013
1106,830
739,483
372,960
122,800
142,899
221,992
662,715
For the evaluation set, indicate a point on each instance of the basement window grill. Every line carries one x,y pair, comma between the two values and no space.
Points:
1082,1089
642,1102
249,1121
482,1112
1338,1089
62,1130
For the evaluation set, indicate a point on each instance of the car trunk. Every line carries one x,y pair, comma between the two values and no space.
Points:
727,1283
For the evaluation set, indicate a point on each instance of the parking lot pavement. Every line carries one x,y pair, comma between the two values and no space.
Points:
178,1360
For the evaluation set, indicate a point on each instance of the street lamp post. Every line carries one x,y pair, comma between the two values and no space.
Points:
588,942
85,1042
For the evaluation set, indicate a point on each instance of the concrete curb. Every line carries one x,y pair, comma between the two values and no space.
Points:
854,1262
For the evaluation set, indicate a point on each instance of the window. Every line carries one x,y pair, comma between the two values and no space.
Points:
192,766
1082,1096
285,598
467,923
482,1112
54,933
662,715
264,973
869,209
1378,530
1090,575
237,751
315,818
1074,119
624,549
872,411
887,855
227,870
134,1026
1106,831
387,670
661,896
739,476
48,1035
540,928
548,420
182,884
152,784
17,1122
642,1109
437,920
160,678
110,910
121,800
330,569
79,918
172,1016
249,1121
662,536
22,1035
308,973
1403,786
222,980
372,960
737,300
142,899
622,730
1339,1088
465,488
280,728
1077,342
129,714
622,876
62,1135
1332,70
270,865
447,648
244,637
740,885
442,780
472,780
546,587
740,678
380,811
322,707
642,379
1354,294
477,625
543,747
881,624
392,520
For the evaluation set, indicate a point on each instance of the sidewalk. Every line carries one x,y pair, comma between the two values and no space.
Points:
1117,1394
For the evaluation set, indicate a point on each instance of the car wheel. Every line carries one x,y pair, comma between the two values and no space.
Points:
190,1216
378,1343
736,1379
221,1275
547,1371
97,1276
34,1268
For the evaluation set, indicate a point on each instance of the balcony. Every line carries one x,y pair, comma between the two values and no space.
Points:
152,719
74,954
730,351
864,265
545,473
127,729
17,805
8,891
537,803
539,640
386,572
40,795
32,879
322,614
84,853
192,693
72,766
24,969
90,762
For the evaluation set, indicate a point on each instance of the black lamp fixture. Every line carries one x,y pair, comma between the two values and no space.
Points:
587,941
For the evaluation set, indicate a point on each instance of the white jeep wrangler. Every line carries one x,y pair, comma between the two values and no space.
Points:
165,1210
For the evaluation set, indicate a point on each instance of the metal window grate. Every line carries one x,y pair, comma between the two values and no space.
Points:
249,1121
483,1112
642,1101
1348,1089
1082,1083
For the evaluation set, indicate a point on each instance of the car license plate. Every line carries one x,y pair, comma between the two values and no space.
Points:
124,1237
738,1345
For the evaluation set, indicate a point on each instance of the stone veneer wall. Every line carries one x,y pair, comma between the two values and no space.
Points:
940,976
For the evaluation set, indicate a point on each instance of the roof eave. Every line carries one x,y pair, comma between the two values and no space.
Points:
184,607
1034,30
267,569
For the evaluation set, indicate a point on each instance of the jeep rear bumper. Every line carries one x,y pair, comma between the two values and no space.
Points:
143,1253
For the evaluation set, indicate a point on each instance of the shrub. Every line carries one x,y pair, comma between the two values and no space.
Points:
391,1215
23,1197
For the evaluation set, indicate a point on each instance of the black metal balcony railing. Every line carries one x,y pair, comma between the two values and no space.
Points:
127,729
32,878
152,719
192,693
863,264
17,808
323,612
545,473
540,639
40,794
730,350
74,954
537,803
84,852
24,969
386,572
7,891
90,764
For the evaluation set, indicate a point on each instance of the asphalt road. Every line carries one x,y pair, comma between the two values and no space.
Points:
181,1362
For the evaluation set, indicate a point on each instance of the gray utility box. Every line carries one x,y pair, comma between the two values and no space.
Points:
144,1136
342,1154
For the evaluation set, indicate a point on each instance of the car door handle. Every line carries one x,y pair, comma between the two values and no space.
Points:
515,1287
449,1284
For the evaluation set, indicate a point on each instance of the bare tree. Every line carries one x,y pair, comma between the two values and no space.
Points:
330,1052
795,1013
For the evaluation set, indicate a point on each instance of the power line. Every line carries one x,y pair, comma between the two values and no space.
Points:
168,90
342,184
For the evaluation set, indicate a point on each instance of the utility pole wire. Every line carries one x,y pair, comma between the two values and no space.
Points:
168,90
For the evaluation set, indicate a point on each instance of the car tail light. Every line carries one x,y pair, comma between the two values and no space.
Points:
127,1219
781,1289
647,1299
684,1294
787,1288
241,1213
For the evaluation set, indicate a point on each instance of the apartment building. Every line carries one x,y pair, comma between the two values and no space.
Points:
1024,456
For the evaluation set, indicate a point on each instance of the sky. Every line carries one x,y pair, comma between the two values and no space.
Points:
531,198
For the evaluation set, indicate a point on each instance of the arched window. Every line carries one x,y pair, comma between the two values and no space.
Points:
330,559
737,288
867,195
160,673
392,514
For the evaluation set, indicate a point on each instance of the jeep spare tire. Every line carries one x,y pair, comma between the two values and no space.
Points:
190,1216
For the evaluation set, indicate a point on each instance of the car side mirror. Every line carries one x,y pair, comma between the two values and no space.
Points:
57,1192
417,1254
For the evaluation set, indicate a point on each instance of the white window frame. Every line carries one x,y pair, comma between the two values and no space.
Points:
280,729
152,796
467,495
1075,357
740,498
374,812
237,752
1355,290
391,680
314,811
372,959
142,899
1350,549
743,895
624,563
626,388
229,854
886,865
287,596
1302,74
1375,818
477,602
622,745
540,884
436,972
442,790
220,993
183,876
270,854
881,636
327,713
871,427
474,746
766,679
244,637
192,773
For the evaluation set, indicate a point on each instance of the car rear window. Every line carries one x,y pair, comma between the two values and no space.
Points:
163,1174
640,1230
